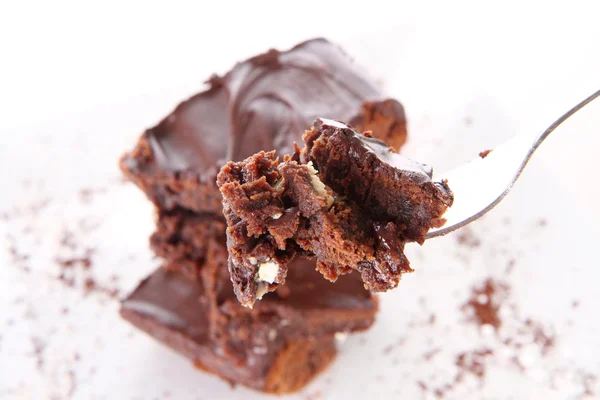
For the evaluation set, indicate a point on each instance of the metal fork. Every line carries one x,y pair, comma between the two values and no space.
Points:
481,184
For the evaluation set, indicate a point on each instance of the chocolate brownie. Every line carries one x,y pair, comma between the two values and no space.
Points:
263,103
277,347
346,198
182,239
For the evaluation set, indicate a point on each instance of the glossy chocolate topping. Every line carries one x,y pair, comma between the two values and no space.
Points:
263,103
175,300
357,142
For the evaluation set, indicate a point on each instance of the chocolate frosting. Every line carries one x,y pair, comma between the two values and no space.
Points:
175,301
263,103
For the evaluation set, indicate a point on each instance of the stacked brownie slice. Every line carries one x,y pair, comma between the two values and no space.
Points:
264,103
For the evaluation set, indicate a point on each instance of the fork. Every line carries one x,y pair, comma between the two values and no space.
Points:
482,183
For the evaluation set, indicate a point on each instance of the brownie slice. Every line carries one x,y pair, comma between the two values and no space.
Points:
263,103
276,347
346,198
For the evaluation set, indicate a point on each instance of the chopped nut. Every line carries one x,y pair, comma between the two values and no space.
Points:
268,271
318,184
261,290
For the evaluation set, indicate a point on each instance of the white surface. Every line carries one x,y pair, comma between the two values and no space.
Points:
79,83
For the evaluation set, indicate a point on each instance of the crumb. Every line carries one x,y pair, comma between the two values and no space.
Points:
35,208
542,222
422,385
67,240
85,261
64,310
466,237
76,356
588,381
85,195
90,284
38,351
541,337
517,363
388,349
68,281
575,303
73,383
430,354
468,121
510,266
484,153
312,396
472,363
432,319
484,303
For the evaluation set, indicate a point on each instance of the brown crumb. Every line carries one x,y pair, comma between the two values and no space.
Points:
484,303
466,237
468,121
38,351
472,363
510,266
314,396
588,381
388,349
422,385
484,153
85,195
540,336
430,354
542,222
72,383
85,261
67,240
432,319
90,284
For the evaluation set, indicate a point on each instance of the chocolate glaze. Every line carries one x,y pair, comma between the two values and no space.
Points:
176,301
419,173
263,103
177,311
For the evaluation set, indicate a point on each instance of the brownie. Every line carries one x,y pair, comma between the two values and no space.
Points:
276,347
182,238
263,103
345,198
